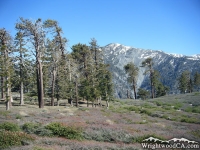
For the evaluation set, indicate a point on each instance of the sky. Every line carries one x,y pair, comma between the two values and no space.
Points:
172,26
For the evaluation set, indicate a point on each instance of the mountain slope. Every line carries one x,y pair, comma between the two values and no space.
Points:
170,66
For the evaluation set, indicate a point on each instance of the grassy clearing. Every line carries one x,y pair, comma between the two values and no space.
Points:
169,107
124,126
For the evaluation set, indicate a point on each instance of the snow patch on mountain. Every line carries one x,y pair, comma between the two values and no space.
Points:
170,66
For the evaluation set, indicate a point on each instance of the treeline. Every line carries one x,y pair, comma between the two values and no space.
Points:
186,82
157,88
36,61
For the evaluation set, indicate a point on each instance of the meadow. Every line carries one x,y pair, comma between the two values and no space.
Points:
121,127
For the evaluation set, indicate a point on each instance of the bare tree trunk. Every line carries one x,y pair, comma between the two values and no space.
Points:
7,105
21,93
72,103
2,88
8,97
152,89
53,87
100,101
21,79
128,95
76,94
40,84
107,104
134,89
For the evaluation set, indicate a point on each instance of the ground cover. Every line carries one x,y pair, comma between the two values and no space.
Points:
123,126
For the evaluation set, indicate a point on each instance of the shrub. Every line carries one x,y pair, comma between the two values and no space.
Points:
178,105
167,107
147,105
158,103
18,116
59,129
36,128
146,111
189,120
9,126
4,113
107,135
8,138
30,127
132,108
195,109
42,131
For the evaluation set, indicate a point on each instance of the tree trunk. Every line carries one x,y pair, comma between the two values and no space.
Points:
53,87
72,104
134,89
107,104
7,105
2,88
21,78
87,103
128,95
152,89
21,93
76,94
40,84
100,101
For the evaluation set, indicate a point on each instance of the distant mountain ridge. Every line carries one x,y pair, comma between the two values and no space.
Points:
170,66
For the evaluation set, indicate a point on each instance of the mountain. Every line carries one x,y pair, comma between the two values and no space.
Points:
170,66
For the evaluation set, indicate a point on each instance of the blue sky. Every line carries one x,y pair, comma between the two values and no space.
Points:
172,26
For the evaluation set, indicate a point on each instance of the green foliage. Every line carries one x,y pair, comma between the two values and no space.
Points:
30,127
193,109
18,116
36,128
183,81
189,120
177,105
4,113
146,111
197,80
158,103
9,138
132,72
61,130
107,135
196,133
132,108
143,93
9,126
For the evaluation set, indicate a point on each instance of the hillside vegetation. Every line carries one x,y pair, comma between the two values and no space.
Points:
123,126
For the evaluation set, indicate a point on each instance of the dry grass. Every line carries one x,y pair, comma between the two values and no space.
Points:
116,128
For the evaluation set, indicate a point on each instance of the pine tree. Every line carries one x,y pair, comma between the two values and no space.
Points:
82,55
22,58
132,72
159,88
183,81
197,81
148,63
143,94
6,66
35,35
105,83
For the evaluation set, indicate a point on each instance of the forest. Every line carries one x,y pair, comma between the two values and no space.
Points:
36,62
